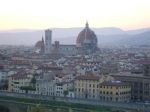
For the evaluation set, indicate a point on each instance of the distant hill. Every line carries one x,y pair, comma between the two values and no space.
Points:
139,39
126,39
138,31
106,36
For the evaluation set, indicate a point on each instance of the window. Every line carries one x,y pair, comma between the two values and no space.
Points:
100,92
97,86
93,90
79,84
104,98
146,85
146,92
100,97
107,98
82,84
89,90
110,98
89,85
93,85
79,89
116,99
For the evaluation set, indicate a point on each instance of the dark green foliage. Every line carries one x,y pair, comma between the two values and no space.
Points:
28,88
4,109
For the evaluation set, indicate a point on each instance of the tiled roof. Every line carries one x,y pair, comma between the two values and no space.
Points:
114,83
88,77
19,76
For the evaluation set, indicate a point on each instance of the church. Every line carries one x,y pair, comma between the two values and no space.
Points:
86,43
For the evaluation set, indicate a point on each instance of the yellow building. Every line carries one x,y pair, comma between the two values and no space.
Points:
87,86
17,81
115,91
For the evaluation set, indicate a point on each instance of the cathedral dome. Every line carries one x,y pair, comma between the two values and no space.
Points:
39,44
86,36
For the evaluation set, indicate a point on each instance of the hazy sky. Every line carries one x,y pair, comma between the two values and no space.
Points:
41,14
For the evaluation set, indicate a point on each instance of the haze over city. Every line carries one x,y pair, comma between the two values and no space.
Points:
25,20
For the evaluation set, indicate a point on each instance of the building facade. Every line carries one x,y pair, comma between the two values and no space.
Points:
140,85
115,91
87,86
45,87
18,81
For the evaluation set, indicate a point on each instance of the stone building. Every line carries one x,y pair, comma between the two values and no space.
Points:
140,83
18,81
115,91
87,86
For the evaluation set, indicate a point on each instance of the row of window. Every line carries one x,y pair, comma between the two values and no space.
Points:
110,87
86,96
90,85
117,93
46,93
48,89
114,99
83,90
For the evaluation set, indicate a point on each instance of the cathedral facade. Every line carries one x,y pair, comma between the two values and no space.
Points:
86,43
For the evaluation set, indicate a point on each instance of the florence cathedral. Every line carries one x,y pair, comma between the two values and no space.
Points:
86,43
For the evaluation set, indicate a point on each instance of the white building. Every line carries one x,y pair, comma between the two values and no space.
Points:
3,75
63,87
48,41
45,85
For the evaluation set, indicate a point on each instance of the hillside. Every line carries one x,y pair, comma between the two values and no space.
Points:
106,36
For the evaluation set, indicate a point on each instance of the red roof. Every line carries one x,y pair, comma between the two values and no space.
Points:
88,77
88,34
39,44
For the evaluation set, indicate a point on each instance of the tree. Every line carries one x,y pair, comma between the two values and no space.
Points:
28,88
70,110
36,108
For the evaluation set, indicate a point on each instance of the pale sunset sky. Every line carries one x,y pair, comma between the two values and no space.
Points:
42,14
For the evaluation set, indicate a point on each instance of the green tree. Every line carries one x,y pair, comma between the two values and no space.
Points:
65,93
70,110
36,108
28,88
59,110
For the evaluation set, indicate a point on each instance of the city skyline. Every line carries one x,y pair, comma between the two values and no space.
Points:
44,14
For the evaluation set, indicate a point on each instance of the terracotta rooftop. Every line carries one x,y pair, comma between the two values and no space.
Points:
19,76
88,77
114,83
